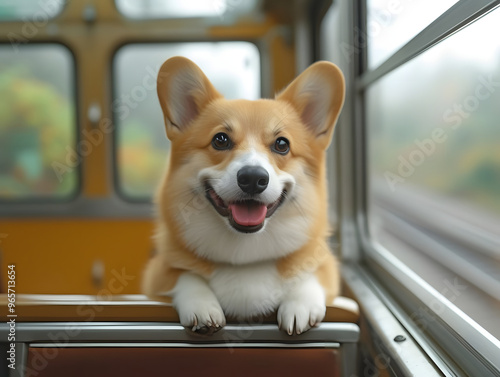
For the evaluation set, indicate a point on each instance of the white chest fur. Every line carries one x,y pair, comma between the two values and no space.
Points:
246,291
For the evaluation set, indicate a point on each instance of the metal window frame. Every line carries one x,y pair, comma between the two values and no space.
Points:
341,336
448,336
454,19
403,358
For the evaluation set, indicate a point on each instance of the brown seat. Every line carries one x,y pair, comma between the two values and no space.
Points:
63,335
188,362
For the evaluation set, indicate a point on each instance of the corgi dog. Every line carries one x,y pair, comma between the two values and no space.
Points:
242,222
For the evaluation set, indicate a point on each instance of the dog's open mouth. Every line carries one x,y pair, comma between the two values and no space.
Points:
246,216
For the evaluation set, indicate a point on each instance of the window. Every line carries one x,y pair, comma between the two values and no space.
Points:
434,158
39,11
141,142
37,123
431,174
182,9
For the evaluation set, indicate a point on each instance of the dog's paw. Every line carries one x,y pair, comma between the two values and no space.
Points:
202,316
299,316
197,305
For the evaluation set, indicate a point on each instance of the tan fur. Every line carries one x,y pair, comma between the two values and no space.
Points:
250,123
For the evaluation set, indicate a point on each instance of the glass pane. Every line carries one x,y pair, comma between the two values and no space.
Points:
186,8
434,164
233,68
40,11
37,122
391,24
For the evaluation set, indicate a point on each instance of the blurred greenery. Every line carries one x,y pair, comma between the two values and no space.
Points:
37,124
411,103
453,86
141,160
28,9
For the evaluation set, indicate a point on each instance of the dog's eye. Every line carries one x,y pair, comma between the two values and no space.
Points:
281,145
221,141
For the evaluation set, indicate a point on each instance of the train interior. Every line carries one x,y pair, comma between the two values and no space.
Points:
413,183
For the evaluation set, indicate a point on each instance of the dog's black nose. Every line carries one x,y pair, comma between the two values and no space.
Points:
253,179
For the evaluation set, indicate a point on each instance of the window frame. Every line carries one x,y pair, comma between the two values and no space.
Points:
449,337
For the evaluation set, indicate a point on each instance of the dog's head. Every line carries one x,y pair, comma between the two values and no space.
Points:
246,180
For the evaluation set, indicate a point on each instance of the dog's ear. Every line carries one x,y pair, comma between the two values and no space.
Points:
183,91
317,94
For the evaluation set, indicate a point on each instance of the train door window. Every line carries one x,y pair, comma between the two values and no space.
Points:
391,24
183,9
39,11
38,128
141,143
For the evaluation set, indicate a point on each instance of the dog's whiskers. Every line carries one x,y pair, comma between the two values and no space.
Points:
294,202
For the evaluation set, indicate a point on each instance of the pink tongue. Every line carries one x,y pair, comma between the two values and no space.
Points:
248,214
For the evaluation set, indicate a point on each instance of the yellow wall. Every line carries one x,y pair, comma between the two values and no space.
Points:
56,256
